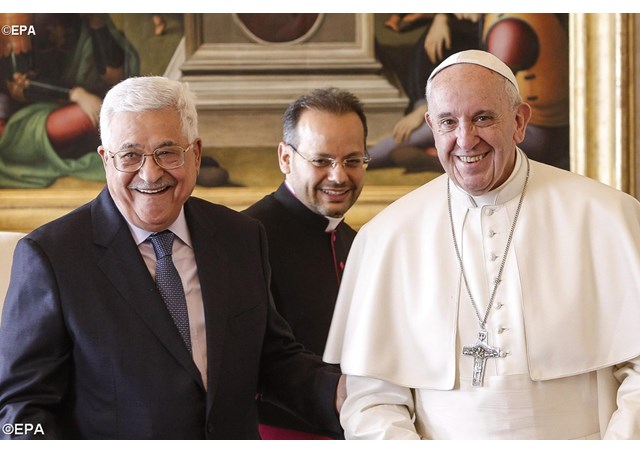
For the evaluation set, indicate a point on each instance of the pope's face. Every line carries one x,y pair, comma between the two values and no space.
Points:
475,126
326,191
152,197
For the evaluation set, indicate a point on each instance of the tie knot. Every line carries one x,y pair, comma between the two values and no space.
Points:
162,243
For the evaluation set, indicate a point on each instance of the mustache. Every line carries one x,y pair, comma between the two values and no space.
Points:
150,187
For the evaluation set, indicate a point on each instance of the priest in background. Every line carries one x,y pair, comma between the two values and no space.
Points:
323,158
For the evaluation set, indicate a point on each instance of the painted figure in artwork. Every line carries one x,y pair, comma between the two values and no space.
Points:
53,81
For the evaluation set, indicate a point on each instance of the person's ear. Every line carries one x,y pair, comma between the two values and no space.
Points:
523,115
284,157
104,155
427,118
197,151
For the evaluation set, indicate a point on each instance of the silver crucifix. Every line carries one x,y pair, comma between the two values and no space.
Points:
480,352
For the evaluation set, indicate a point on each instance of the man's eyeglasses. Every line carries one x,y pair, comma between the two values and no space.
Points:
326,162
167,157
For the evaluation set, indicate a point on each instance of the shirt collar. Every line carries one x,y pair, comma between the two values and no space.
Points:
178,227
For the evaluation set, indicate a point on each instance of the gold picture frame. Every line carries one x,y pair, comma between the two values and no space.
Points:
604,133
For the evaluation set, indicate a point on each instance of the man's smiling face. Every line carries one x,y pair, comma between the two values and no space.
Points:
476,126
152,197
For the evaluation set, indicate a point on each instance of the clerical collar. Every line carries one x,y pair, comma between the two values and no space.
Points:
178,227
333,222
511,188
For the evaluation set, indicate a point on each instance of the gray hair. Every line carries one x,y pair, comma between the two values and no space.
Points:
330,100
143,94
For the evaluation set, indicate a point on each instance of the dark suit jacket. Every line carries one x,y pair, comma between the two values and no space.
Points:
88,349
304,282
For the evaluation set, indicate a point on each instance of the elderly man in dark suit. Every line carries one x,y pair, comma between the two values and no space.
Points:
92,347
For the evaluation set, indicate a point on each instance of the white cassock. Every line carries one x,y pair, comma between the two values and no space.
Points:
566,316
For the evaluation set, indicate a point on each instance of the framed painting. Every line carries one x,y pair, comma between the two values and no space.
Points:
246,68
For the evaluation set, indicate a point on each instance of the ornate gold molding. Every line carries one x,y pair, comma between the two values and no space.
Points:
603,98
603,127
25,210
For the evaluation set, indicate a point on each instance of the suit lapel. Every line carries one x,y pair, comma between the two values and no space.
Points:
213,270
123,265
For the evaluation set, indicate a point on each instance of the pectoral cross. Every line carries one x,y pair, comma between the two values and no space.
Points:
480,352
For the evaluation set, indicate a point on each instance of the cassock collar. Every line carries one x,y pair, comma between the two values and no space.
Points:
334,222
287,197
511,188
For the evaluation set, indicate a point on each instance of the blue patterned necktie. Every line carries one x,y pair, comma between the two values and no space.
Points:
169,283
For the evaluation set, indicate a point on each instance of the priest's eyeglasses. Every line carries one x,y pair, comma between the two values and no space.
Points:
326,162
167,157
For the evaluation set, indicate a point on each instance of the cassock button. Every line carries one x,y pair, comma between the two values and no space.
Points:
492,233
502,329
503,354
490,211
493,257
499,305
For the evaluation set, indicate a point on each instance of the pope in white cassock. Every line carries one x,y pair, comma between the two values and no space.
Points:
498,301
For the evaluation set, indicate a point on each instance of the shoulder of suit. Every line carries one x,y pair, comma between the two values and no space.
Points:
65,227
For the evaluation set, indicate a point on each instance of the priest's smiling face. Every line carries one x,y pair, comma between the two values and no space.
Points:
322,137
476,125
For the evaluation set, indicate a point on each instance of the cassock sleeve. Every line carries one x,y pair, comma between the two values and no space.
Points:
291,376
625,421
376,410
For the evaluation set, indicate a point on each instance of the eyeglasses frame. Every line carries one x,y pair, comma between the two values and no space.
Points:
334,162
144,158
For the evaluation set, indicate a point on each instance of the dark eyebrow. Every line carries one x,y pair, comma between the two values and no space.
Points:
329,156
